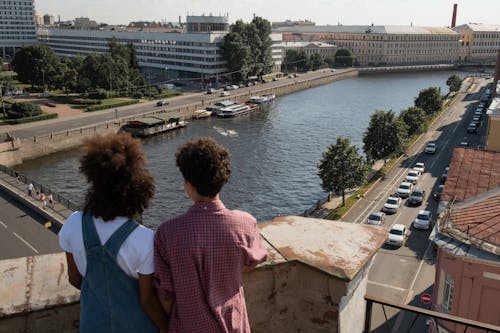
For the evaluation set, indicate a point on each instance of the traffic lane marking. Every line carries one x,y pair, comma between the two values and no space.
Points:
387,286
3,225
25,242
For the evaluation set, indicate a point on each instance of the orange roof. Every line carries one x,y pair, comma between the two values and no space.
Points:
472,171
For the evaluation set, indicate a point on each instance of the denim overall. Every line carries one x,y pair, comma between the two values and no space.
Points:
109,299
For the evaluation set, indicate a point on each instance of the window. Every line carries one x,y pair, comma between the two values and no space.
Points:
446,290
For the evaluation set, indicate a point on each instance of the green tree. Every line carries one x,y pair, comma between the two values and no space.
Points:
316,61
237,55
341,168
35,65
415,120
385,136
344,57
454,82
430,100
265,43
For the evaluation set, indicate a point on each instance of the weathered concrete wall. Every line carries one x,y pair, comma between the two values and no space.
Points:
9,154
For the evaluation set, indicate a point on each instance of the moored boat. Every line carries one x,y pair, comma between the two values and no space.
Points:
262,99
236,110
219,105
199,114
151,125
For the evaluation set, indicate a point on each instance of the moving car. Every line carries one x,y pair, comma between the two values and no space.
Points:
211,91
392,205
404,189
420,167
438,193
416,197
161,103
225,94
412,177
430,148
397,235
423,220
376,218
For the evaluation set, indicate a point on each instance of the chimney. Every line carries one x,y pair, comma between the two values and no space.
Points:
454,16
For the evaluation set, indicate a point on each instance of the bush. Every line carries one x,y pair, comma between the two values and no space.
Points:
109,106
137,95
84,101
98,94
31,119
23,110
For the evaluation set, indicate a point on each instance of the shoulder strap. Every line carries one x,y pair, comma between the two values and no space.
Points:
119,236
90,236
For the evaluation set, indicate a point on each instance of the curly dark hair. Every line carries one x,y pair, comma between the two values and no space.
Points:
120,183
205,164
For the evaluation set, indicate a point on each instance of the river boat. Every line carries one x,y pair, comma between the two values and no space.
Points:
262,99
237,110
146,126
199,114
219,105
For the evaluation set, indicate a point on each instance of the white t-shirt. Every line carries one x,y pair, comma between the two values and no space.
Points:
135,255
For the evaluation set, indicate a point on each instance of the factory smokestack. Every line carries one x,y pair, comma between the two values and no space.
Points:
454,16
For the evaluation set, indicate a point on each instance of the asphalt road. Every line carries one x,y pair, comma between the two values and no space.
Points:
403,274
93,118
22,232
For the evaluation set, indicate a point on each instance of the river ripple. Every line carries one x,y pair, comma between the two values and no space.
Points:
274,151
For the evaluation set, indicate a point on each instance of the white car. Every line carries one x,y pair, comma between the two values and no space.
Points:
412,177
430,148
397,235
404,189
376,218
392,205
423,220
420,167
225,94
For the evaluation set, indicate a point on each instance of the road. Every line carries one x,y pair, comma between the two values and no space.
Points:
403,274
22,233
93,118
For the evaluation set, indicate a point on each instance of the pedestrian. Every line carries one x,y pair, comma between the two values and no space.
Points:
109,255
51,200
30,189
200,255
43,200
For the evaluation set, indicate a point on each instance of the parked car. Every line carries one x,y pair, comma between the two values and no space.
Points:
235,86
463,144
391,205
444,175
412,177
416,197
423,220
404,189
472,128
376,218
430,148
161,103
438,192
225,94
227,88
420,167
478,113
397,235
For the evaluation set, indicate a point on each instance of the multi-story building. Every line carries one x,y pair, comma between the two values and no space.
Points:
467,237
290,23
163,55
383,45
325,49
493,113
481,41
17,25
48,19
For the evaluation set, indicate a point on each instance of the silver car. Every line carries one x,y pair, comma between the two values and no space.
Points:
423,220
376,218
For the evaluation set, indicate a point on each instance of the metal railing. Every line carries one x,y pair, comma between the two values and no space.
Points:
42,188
434,316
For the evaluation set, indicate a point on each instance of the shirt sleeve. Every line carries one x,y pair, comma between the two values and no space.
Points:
255,252
163,277
146,266
66,232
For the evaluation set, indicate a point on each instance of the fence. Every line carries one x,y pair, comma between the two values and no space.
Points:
42,188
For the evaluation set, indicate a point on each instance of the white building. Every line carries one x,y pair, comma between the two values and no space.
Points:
163,55
17,25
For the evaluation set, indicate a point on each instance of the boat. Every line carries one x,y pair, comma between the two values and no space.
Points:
199,114
236,110
219,105
262,99
151,125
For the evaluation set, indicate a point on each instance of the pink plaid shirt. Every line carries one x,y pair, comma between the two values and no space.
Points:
199,258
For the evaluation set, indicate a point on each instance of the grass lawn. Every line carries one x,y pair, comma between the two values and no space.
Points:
75,101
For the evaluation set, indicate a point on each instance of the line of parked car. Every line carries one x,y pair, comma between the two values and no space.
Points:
476,118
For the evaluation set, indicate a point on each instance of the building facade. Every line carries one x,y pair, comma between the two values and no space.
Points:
493,113
383,45
326,50
480,41
17,25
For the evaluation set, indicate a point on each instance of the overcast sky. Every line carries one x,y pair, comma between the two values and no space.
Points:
379,12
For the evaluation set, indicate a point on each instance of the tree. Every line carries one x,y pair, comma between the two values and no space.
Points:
316,61
344,57
454,83
341,168
415,120
385,136
35,65
237,55
430,100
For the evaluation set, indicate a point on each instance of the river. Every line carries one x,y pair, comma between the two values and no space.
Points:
274,151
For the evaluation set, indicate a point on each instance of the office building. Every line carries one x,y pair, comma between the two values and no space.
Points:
481,42
17,25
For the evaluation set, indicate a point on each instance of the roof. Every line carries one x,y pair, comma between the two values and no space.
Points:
363,29
472,171
145,121
308,44
340,249
479,27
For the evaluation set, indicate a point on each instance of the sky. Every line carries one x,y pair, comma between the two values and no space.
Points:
347,12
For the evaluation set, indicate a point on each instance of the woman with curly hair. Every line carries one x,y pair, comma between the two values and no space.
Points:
109,255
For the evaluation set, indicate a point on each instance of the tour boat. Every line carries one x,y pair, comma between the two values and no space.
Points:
262,99
236,110
151,125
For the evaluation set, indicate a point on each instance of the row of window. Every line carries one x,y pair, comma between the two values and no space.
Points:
386,38
490,43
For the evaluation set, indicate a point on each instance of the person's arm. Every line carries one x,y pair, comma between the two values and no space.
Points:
150,302
163,281
74,276
255,251
167,305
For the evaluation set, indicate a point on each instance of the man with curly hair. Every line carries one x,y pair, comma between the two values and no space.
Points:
109,255
201,254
